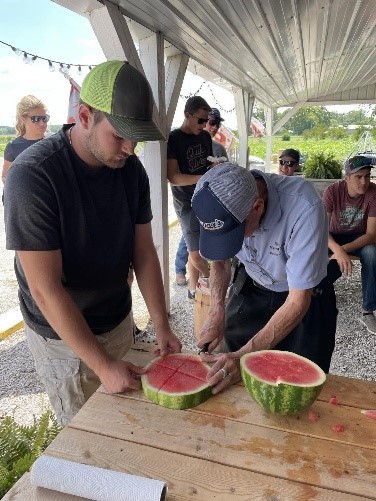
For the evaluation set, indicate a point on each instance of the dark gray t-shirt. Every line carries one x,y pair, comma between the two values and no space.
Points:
55,201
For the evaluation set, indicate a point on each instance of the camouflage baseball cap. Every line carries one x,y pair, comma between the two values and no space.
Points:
359,162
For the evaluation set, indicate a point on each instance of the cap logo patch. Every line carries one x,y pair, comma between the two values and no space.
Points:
217,224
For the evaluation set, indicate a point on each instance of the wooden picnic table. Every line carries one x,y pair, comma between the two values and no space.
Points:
227,448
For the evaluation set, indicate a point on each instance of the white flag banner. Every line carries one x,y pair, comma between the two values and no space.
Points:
225,137
74,99
258,130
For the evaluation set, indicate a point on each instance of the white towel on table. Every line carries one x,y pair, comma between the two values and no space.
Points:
94,483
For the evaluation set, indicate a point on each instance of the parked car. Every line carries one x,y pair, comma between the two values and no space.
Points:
256,163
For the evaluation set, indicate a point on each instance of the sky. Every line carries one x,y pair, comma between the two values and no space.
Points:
45,29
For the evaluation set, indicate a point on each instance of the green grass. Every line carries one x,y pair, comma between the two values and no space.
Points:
341,148
4,140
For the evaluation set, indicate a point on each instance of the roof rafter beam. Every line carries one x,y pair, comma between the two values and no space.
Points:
298,27
273,43
290,113
323,40
175,69
366,36
345,41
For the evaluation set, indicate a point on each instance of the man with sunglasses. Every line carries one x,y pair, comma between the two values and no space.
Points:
351,208
77,213
289,162
277,228
213,125
188,149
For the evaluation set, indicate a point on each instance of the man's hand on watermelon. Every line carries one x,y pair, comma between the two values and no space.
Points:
212,331
118,376
224,372
167,342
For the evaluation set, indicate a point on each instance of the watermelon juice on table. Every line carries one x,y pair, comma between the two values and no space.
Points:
280,381
177,381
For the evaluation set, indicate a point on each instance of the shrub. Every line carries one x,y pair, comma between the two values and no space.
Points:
21,445
337,133
322,166
285,136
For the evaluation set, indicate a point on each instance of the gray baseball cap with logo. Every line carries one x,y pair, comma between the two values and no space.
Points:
221,201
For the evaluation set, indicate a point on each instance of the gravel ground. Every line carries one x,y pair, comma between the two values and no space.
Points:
22,394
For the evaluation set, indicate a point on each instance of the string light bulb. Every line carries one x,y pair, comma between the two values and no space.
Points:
18,52
26,59
79,71
51,67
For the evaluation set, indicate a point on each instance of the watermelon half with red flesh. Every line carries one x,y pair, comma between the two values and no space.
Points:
280,381
177,381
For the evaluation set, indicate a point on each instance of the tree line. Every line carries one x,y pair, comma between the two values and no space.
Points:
309,118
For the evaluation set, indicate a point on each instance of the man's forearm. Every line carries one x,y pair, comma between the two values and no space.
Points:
220,274
284,320
184,179
358,243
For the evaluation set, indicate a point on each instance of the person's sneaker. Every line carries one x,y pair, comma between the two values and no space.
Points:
191,294
180,279
369,320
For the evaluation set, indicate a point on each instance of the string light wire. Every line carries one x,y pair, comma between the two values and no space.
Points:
29,58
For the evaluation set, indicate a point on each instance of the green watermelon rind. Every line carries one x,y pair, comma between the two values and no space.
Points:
177,400
283,398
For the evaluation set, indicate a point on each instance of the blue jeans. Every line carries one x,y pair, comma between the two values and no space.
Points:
181,258
367,257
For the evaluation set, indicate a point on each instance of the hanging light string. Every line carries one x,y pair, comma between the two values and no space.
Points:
29,58
205,83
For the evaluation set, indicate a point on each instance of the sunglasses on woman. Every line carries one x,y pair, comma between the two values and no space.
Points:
288,163
37,118
214,122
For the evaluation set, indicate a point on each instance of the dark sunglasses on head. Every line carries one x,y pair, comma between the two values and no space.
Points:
289,163
37,118
214,122
200,121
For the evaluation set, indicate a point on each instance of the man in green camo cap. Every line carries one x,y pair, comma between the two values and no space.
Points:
78,212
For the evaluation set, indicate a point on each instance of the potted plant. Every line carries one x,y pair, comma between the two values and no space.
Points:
322,169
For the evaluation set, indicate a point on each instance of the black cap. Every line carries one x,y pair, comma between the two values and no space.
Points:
214,114
290,152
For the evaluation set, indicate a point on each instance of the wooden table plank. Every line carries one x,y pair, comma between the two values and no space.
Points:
235,403
187,478
255,448
349,391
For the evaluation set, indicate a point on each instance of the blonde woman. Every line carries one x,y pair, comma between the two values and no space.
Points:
31,125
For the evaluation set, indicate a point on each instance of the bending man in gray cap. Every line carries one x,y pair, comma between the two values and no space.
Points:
277,228
78,212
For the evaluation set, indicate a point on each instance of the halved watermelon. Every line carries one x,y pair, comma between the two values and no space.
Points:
280,381
177,381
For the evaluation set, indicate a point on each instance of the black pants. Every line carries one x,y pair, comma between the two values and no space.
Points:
251,306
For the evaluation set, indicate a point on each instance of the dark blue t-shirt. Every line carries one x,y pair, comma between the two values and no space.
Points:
53,201
17,146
